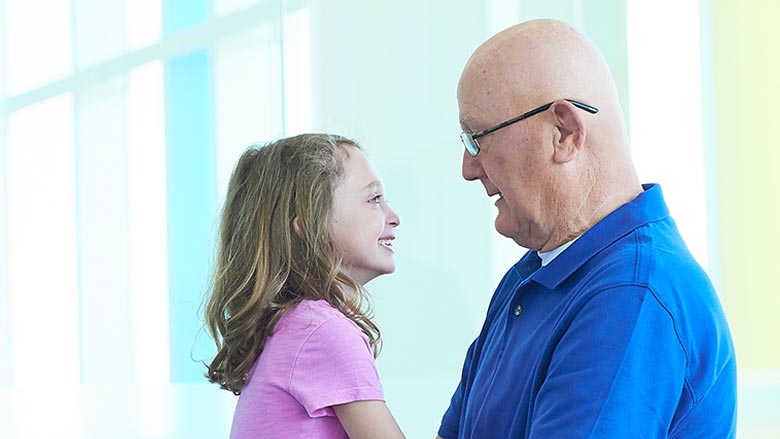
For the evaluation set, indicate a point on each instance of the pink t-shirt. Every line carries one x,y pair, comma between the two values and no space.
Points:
316,358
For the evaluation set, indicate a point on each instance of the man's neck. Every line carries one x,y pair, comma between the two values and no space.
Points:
581,219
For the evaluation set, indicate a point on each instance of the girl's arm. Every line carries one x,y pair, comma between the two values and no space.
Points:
368,420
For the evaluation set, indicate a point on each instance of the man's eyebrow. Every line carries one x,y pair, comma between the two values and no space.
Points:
466,124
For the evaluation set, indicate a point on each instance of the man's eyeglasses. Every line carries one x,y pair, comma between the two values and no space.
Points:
470,140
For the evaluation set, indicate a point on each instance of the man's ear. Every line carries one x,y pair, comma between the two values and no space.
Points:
297,227
571,131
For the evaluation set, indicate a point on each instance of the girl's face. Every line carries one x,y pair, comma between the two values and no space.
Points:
363,224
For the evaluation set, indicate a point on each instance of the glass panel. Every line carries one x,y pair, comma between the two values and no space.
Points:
95,18
147,227
42,242
143,23
570,11
191,207
5,304
502,14
38,43
297,73
21,409
248,96
43,268
224,7
183,15
101,175
670,98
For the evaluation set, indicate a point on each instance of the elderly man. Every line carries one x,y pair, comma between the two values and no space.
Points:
607,327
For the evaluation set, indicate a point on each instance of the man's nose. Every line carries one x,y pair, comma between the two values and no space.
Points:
470,167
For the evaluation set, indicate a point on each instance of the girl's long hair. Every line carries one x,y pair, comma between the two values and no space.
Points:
263,266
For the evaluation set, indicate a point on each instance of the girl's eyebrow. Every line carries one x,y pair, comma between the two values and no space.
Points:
373,185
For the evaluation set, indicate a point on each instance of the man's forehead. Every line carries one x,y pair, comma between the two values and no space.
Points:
492,77
470,108
482,102
477,84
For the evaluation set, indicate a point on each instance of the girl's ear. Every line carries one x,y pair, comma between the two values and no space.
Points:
297,227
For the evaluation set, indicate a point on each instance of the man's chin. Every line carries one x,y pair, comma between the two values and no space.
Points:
510,232
504,229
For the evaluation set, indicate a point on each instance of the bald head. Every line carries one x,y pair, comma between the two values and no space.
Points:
563,170
542,60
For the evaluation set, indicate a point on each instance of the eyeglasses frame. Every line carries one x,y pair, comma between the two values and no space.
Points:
471,139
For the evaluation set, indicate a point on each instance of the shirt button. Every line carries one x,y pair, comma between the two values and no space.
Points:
518,310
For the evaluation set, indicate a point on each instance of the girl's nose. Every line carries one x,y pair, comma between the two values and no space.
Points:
392,217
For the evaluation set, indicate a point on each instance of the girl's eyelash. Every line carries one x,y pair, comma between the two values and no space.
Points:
375,199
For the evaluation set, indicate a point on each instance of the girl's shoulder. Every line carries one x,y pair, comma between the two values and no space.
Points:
314,311
311,314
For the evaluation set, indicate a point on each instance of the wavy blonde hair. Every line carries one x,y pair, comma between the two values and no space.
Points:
264,267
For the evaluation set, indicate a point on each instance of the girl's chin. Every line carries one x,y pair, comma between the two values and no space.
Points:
388,270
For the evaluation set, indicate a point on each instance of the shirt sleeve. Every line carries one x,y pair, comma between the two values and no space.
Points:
335,365
617,372
450,423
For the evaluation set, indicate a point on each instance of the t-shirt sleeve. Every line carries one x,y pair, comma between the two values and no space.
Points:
617,373
335,365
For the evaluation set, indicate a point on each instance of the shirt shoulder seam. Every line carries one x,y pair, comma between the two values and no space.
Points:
651,291
303,344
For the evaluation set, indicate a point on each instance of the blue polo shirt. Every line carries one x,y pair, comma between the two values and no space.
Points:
621,336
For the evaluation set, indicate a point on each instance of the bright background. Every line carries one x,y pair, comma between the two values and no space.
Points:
120,121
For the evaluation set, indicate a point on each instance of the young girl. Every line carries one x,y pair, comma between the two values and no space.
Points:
305,225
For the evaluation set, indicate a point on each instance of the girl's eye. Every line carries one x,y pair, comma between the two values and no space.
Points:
376,199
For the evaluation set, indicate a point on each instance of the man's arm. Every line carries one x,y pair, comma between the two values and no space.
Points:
618,371
368,420
451,419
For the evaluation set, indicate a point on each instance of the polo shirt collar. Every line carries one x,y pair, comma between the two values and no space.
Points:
647,207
